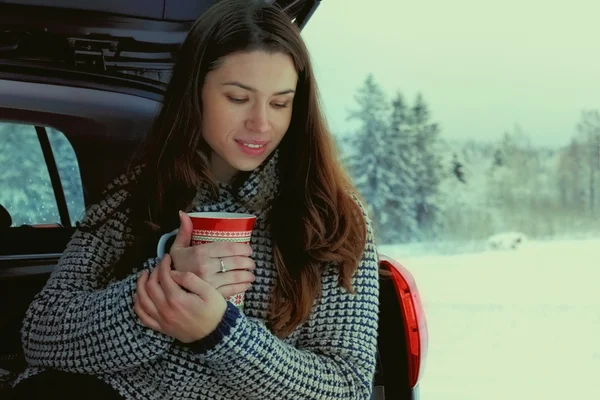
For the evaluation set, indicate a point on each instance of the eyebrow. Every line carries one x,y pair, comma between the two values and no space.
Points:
251,89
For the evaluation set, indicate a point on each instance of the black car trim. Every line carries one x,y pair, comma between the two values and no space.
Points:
24,267
59,194
31,257
96,41
147,10
305,13
85,22
16,70
378,393
30,270
23,99
391,339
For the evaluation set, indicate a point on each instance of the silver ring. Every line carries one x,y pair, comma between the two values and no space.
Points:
223,269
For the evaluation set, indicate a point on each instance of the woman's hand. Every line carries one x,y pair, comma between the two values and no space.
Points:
164,306
205,260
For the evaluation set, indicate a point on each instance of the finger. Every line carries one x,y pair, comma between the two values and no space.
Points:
194,284
170,287
146,318
236,263
231,290
154,288
184,236
227,249
142,298
232,278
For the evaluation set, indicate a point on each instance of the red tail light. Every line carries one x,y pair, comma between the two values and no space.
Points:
414,317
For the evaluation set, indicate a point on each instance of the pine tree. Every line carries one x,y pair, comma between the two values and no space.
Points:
396,164
429,169
366,161
589,132
571,178
401,159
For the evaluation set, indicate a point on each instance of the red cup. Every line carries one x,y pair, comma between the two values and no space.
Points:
221,227
211,227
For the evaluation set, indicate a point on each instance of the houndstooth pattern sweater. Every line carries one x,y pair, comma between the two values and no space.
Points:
79,324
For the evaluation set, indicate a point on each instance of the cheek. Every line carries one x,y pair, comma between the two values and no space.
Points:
281,123
218,120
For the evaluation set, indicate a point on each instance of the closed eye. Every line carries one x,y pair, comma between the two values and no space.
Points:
237,100
280,105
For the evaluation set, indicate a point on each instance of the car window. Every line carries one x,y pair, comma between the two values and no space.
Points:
27,191
68,169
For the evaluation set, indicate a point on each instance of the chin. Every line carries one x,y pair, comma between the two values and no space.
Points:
247,166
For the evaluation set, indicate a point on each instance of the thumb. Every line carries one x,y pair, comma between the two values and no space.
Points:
184,236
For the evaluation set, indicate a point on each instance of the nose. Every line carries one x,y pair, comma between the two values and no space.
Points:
258,120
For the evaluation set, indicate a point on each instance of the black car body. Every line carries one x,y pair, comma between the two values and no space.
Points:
95,72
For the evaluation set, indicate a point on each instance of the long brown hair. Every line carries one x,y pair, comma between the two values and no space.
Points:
315,221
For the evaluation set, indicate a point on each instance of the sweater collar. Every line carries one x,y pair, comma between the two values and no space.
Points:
255,192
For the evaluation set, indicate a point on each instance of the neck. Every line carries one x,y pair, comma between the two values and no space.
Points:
255,189
221,170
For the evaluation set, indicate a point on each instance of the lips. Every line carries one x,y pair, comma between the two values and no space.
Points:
252,147
252,143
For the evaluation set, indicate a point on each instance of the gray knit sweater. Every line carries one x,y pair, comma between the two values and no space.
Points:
77,323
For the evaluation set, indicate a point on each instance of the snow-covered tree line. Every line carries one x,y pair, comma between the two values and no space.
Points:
420,186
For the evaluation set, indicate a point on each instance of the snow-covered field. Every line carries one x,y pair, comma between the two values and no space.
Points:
512,324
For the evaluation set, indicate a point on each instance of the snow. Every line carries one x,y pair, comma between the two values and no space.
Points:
511,324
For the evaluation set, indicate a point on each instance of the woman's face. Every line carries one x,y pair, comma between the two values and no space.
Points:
247,107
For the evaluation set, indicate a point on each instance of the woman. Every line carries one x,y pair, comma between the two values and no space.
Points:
241,130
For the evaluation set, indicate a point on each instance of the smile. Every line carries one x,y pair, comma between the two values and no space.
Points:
252,147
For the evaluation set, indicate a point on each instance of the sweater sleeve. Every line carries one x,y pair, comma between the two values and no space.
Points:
335,357
77,323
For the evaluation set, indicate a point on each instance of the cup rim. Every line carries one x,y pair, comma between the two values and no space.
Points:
220,215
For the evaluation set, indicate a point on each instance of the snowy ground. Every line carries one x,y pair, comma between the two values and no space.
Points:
521,324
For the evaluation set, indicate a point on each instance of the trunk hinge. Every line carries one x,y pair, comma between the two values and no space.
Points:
91,52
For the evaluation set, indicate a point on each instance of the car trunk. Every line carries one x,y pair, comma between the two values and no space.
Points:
96,71
133,42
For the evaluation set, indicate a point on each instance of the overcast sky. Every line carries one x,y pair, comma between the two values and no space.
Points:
483,66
